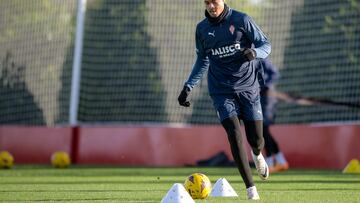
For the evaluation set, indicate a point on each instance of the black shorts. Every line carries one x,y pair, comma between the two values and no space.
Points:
244,104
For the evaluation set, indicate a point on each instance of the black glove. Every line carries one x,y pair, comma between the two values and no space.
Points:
249,54
183,97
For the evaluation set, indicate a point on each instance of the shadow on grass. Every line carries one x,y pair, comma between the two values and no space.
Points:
76,191
315,181
315,189
82,199
105,171
155,181
80,182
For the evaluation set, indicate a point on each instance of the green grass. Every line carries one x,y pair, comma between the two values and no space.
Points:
118,184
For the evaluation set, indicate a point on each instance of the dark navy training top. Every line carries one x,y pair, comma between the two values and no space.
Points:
219,48
269,73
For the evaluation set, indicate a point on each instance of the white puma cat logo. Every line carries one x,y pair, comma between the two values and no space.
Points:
212,33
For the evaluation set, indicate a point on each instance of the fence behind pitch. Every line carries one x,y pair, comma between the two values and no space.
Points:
137,54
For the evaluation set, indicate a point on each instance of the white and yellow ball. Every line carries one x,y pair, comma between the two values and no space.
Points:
6,160
60,159
198,185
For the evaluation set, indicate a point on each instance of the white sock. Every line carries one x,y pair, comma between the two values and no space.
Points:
252,193
270,161
280,158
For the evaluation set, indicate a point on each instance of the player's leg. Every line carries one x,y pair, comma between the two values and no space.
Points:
275,158
232,128
226,108
268,109
270,147
251,114
254,136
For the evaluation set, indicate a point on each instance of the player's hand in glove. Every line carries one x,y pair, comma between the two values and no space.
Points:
183,97
249,54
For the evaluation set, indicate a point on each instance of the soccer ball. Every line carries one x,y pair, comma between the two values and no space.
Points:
6,160
60,159
198,185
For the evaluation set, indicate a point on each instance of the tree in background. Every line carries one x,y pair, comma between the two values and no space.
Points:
120,77
322,60
36,33
17,105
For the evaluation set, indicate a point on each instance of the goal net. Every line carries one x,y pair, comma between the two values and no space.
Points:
137,55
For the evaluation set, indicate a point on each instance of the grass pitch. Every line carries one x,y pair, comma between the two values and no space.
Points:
118,184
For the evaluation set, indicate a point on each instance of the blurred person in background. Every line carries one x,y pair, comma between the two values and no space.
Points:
229,45
268,77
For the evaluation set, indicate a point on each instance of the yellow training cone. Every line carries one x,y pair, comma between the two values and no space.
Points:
352,167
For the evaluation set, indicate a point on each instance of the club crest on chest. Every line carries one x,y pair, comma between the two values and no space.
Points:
232,29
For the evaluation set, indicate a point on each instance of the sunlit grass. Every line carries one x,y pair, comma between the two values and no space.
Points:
119,184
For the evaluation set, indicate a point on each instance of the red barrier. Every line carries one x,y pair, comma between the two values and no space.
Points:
160,146
34,144
306,146
319,146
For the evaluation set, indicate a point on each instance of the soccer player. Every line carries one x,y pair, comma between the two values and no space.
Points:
229,45
274,157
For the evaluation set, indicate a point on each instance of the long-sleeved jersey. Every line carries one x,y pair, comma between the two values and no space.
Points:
219,48
269,73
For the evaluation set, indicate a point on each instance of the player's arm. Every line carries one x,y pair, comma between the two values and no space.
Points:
257,37
200,66
271,71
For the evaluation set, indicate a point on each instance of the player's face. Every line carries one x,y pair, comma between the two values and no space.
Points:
214,7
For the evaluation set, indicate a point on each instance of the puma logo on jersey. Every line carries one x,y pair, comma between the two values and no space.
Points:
212,33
